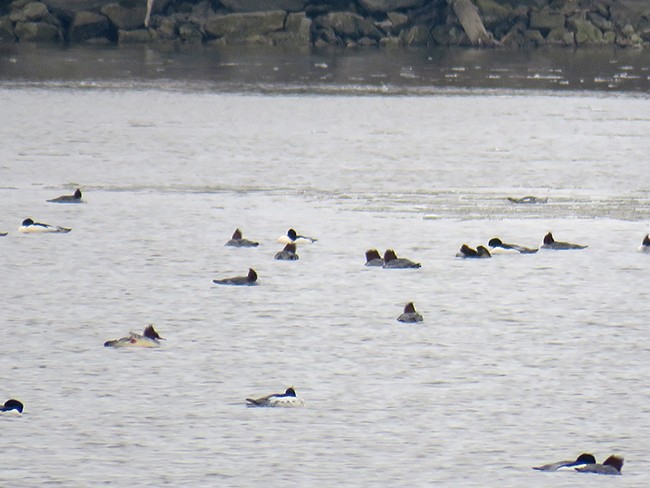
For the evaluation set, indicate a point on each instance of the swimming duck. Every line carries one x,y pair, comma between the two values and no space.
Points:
495,242
2,234
410,315
286,399
373,258
249,280
12,407
581,460
30,227
288,253
149,338
391,261
292,236
480,252
528,199
75,198
237,240
645,245
550,243
612,465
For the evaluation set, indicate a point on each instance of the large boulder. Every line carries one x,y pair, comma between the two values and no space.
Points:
263,5
348,25
6,30
29,12
38,32
125,18
384,6
88,25
242,26
630,12
544,20
586,33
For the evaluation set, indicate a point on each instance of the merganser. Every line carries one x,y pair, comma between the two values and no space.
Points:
249,280
612,465
528,199
237,240
149,338
286,399
495,242
75,198
410,315
480,252
30,227
373,258
288,253
292,236
581,460
550,243
645,245
391,261
12,407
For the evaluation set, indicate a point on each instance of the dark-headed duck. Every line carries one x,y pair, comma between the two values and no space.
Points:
248,280
237,240
391,261
286,399
551,243
74,198
581,460
612,465
410,315
288,253
373,258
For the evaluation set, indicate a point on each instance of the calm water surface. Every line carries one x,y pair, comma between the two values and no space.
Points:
520,360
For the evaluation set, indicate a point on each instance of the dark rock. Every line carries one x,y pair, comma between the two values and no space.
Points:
561,37
31,12
533,38
599,21
6,30
264,5
384,6
242,26
634,13
398,20
38,32
124,18
546,20
138,36
493,14
417,35
586,33
298,27
348,25
189,32
88,25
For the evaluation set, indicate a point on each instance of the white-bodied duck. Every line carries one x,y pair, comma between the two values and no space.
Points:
149,338
286,399
30,227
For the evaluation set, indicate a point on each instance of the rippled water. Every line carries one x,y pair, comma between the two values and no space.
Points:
520,360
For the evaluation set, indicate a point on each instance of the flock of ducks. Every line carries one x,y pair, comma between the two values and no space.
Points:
585,463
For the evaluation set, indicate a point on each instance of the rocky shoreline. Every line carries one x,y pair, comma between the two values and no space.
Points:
499,23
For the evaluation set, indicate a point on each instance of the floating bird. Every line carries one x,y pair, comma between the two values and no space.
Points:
286,399
249,280
237,240
149,338
11,407
495,243
480,252
288,253
581,460
528,199
645,245
550,243
373,258
410,315
74,198
292,236
30,227
612,465
391,261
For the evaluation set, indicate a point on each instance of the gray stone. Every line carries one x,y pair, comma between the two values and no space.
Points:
533,37
264,5
494,14
599,21
189,32
166,29
38,32
29,12
138,36
88,25
243,26
124,18
298,26
384,6
586,32
348,25
631,12
389,41
418,35
545,20
561,37
6,30
398,20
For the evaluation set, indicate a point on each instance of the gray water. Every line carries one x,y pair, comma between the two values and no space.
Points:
520,360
